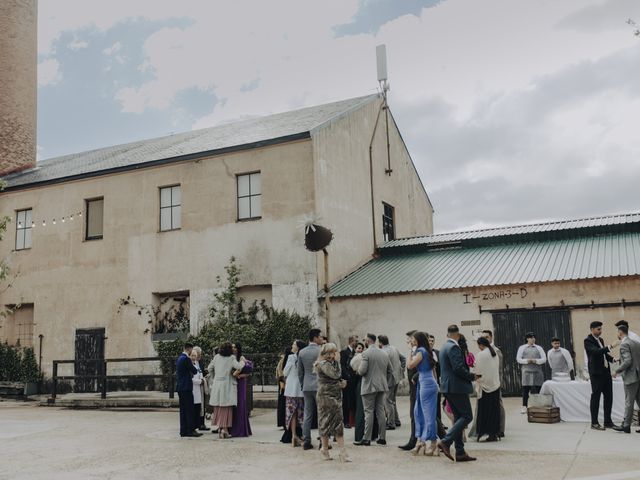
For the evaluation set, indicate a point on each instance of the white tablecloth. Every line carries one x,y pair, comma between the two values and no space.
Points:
573,399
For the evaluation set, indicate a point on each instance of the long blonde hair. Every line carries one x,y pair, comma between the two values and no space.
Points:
326,350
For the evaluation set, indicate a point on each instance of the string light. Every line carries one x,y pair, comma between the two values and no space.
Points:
53,221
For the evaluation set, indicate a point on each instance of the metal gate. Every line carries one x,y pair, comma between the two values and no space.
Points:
88,359
510,329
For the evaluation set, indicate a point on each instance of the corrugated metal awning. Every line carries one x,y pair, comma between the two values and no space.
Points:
598,256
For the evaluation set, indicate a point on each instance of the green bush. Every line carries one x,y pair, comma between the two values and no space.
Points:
29,370
10,363
18,365
260,328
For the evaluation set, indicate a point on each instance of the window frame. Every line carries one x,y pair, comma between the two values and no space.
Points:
386,220
87,201
250,196
22,230
170,207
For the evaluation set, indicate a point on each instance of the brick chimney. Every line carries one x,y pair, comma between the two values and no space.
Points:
18,84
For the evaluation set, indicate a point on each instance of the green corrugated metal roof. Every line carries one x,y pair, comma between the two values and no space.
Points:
597,256
547,230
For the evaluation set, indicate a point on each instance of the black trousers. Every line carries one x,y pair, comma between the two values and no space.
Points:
525,393
412,402
186,413
348,401
601,385
462,415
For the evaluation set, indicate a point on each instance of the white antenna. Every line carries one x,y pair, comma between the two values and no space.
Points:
381,58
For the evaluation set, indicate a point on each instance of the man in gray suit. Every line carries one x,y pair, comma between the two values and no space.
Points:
309,382
398,362
630,370
374,369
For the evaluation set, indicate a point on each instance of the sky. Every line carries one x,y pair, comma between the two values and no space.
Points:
514,111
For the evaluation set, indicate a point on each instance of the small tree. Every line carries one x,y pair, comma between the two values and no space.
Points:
29,370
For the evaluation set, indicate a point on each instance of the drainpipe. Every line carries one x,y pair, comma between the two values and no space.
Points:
373,205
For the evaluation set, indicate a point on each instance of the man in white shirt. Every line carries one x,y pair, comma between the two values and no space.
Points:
631,335
531,357
559,358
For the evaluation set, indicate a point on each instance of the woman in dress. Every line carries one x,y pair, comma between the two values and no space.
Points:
224,391
241,426
281,409
425,410
204,391
294,398
488,387
198,393
329,399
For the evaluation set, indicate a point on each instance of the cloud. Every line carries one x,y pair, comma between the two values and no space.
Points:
557,148
599,17
77,45
49,72
372,14
511,112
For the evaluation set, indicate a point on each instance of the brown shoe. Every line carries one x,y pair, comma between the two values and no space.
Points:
465,458
444,448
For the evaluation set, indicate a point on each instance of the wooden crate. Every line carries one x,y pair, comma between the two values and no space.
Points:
543,414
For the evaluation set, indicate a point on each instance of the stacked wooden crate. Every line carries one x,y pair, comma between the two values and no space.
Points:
543,414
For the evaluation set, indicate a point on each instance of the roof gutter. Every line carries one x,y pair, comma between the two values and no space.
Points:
163,161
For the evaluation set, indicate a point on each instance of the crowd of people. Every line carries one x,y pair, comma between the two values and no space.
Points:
331,390
222,386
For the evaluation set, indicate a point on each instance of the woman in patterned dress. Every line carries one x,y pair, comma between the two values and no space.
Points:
329,399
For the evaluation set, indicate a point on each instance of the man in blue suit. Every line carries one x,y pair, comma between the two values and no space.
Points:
184,386
455,384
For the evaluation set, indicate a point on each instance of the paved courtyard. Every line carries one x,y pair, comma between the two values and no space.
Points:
56,443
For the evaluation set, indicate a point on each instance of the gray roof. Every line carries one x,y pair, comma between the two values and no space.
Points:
555,251
234,136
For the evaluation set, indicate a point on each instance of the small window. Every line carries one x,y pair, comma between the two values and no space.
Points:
249,196
23,229
170,208
388,227
95,217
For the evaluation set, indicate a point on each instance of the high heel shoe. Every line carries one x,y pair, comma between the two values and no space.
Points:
419,448
325,454
343,457
296,442
432,451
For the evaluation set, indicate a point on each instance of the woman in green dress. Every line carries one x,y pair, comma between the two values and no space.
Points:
329,400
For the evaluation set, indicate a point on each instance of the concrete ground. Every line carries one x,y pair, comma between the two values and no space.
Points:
52,442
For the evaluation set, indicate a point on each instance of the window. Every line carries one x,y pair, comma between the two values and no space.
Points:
18,325
95,215
388,228
170,208
249,196
23,229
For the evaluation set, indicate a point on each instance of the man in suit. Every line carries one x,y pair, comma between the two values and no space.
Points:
309,382
184,386
442,431
412,376
349,392
455,384
599,358
375,370
630,370
393,418
632,335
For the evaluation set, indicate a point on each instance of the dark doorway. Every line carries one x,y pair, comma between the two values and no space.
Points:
89,350
510,329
